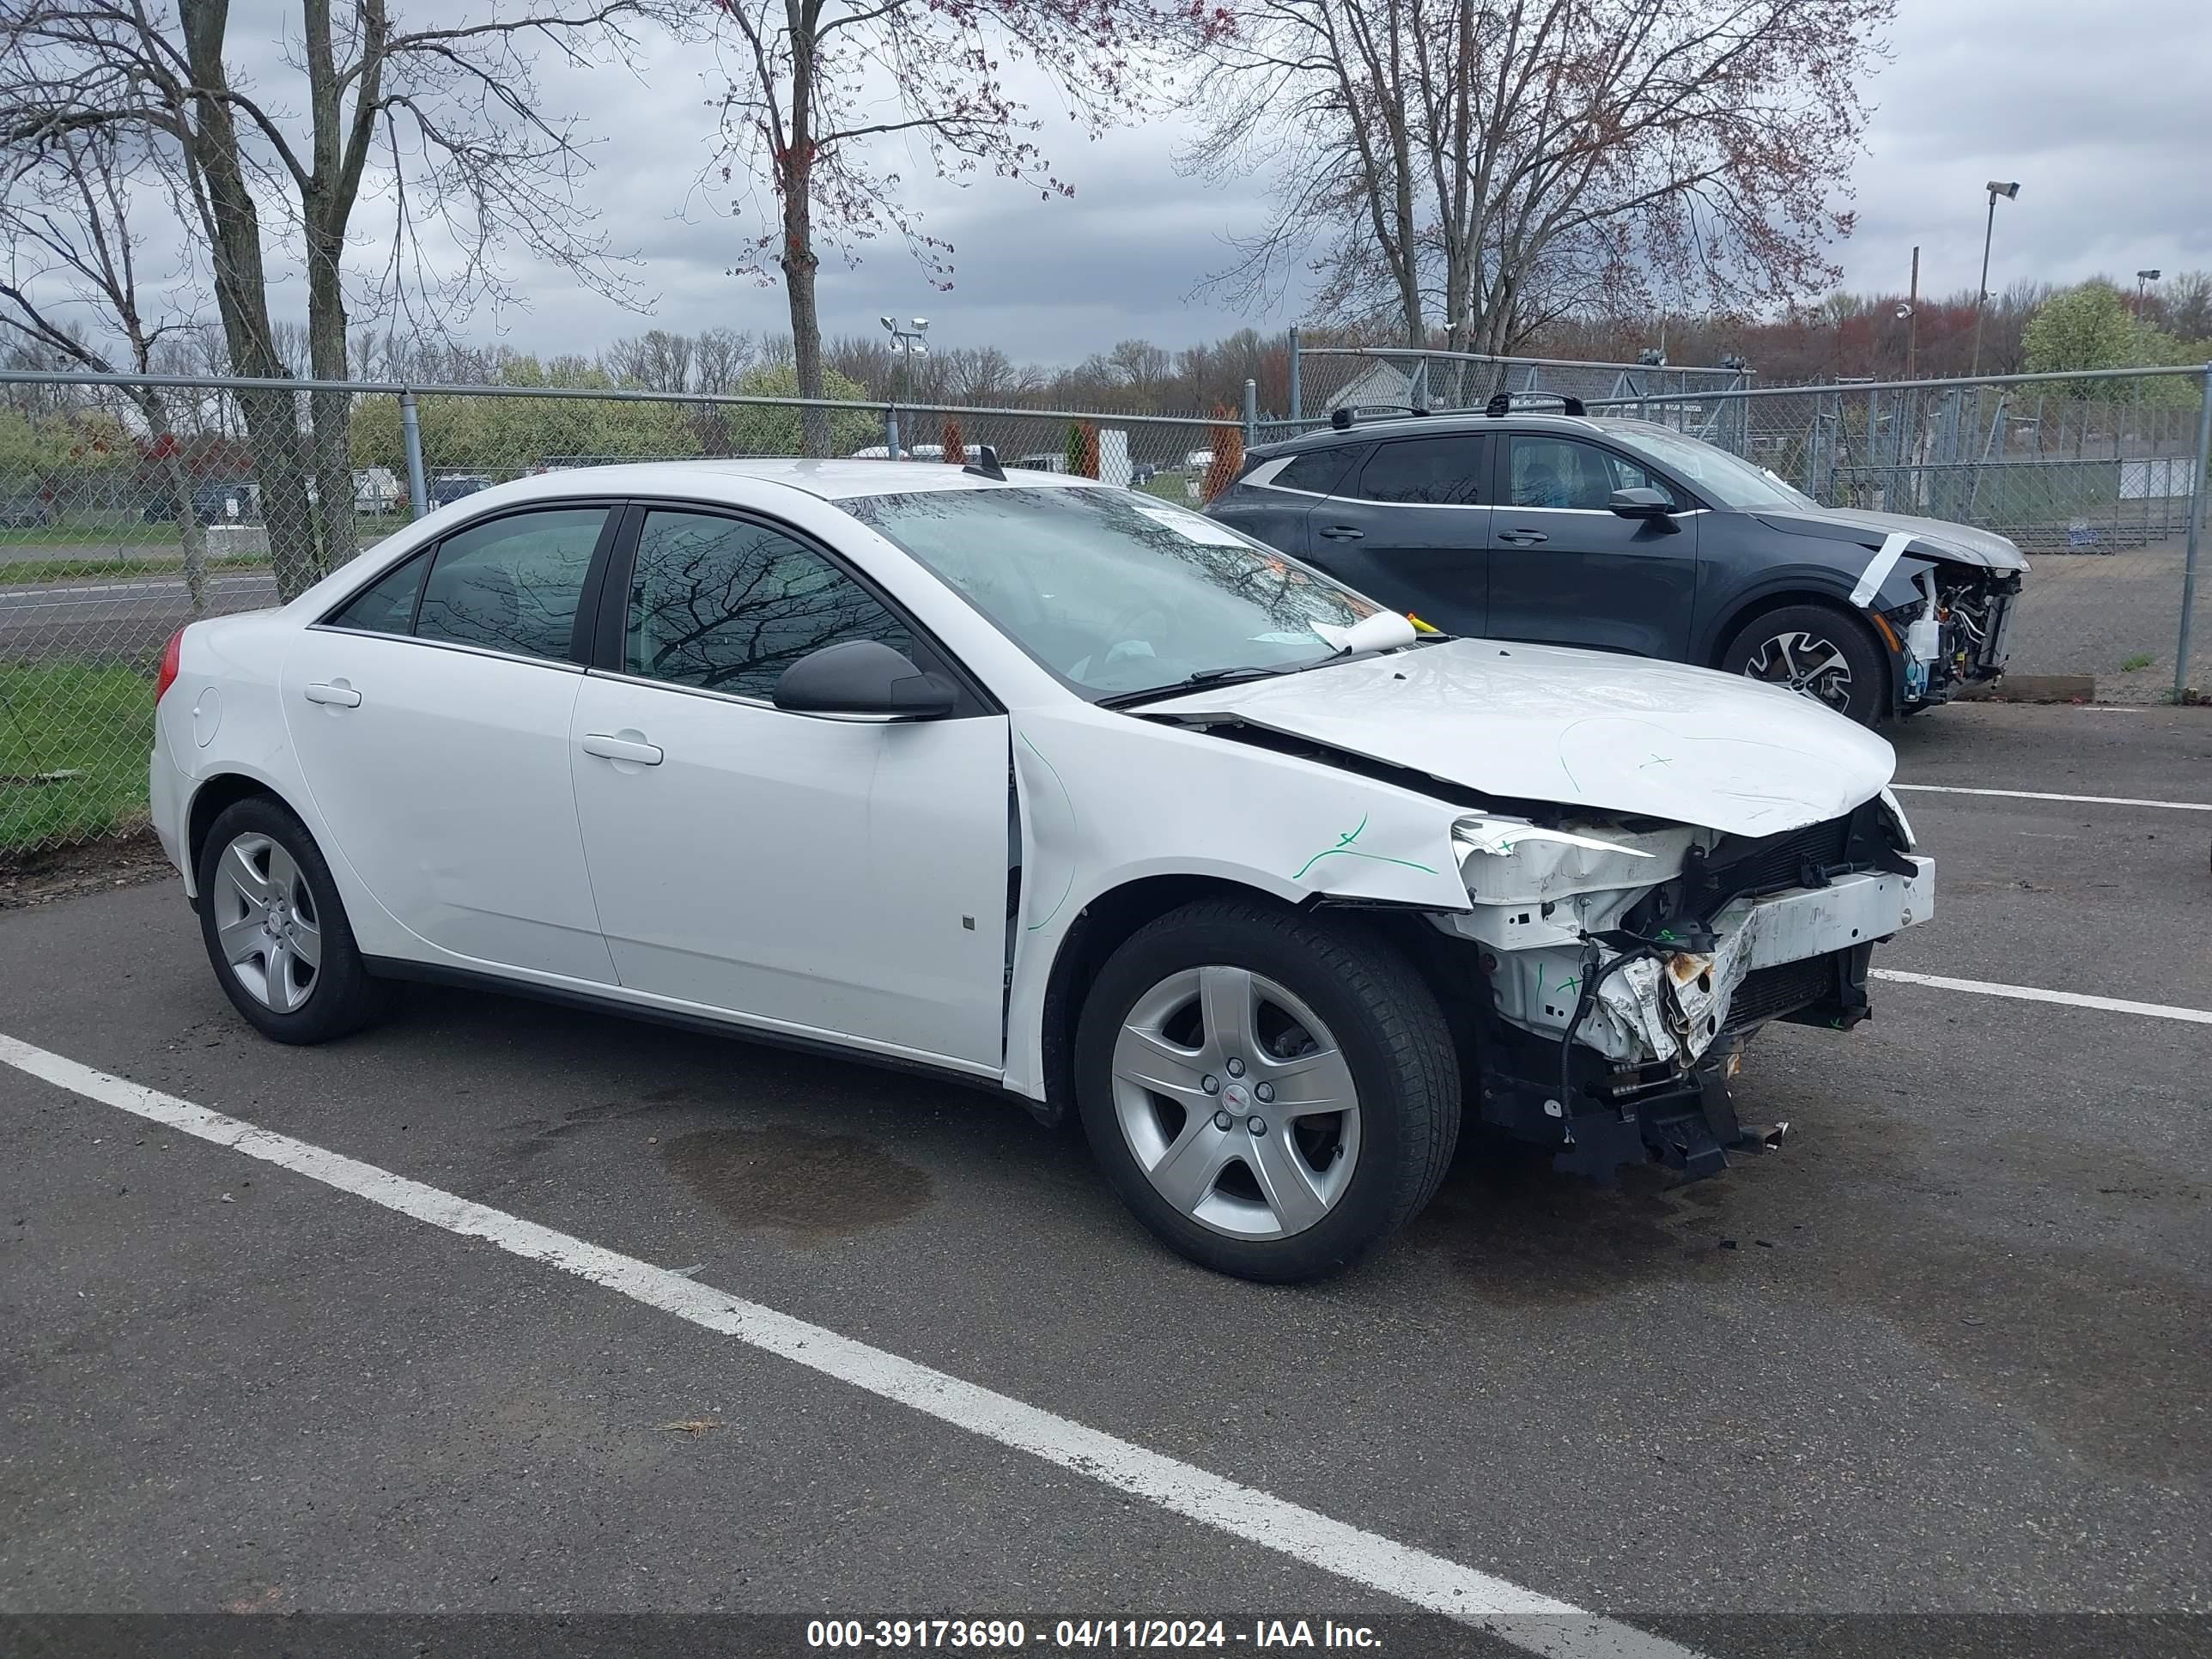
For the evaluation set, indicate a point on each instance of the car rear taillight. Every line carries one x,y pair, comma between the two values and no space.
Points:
167,677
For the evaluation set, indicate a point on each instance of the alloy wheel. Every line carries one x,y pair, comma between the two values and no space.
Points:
1236,1102
265,919
1804,663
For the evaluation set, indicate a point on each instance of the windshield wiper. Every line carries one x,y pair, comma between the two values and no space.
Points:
1203,677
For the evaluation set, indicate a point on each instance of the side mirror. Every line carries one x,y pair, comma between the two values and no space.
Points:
863,677
1641,504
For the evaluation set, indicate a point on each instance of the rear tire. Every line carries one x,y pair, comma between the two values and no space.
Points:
1819,652
1270,1093
276,930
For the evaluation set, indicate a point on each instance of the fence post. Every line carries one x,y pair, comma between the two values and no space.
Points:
1251,413
1298,395
890,431
410,438
2196,494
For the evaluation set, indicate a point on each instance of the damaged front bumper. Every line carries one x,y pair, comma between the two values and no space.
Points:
1617,1046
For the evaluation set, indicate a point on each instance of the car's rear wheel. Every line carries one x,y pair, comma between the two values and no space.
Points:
1817,652
276,930
1270,1093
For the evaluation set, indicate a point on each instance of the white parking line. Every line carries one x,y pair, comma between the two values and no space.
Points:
2035,993
1521,1617
2031,794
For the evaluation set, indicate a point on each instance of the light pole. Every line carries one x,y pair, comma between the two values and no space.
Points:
1911,312
907,345
2142,298
1982,294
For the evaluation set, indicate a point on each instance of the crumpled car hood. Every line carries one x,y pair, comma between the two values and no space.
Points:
1937,537
1580,728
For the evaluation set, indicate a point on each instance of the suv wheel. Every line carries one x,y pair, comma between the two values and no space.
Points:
1271,1094
1817,652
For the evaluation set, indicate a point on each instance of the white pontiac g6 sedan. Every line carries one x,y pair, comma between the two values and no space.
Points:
1059,789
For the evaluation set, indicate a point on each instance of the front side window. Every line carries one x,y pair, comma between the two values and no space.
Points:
1563,472
1728,479
1428,471
512,584
1116,592
727,605
386,605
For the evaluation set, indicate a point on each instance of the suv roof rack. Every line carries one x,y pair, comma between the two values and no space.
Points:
1342,418
1502,403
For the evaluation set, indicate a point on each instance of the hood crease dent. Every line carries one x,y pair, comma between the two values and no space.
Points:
1576,728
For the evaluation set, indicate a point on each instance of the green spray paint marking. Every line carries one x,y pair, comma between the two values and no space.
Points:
1070,799
1344,846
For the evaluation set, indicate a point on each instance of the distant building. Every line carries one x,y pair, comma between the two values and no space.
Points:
1381,384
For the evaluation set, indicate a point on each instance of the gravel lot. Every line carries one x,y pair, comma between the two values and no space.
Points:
1931,1378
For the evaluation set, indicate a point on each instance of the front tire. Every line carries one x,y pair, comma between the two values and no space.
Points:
1818,653
1270,1093
276,930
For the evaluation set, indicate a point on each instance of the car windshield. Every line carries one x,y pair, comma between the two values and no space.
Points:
1112,591
1728,479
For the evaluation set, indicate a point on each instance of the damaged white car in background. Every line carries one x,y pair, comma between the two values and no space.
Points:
1053,788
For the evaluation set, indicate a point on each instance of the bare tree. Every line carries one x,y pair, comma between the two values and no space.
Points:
817,86
655,360
721,354
446,117
66,214
985,375
1482,164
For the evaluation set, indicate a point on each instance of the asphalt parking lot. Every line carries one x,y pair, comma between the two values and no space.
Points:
1932,1377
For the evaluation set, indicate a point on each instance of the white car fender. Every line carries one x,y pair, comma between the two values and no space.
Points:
1109,798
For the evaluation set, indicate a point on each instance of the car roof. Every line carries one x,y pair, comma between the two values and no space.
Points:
1410,426
828,480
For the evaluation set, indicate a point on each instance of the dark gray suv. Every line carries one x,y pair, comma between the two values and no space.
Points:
1627,535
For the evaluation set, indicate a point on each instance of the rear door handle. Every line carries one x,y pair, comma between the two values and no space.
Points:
1522,537
608,747
1343,532
337,694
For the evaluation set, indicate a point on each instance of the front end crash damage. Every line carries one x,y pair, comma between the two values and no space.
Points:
1628,963
1947,609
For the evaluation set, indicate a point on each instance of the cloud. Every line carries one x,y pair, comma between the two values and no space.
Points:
2096,110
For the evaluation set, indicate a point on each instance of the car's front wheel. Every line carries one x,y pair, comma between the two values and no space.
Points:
1817,652
1270,1093
276,930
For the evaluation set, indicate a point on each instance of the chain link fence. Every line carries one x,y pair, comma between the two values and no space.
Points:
129,507
1326,378
2097,476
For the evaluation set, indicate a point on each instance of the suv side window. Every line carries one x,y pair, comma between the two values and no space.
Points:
727,605
512,584
1565,472
1444,471
1316,470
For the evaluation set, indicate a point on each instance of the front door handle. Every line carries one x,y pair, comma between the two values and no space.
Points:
607,746
1342,532
1522,537
336,693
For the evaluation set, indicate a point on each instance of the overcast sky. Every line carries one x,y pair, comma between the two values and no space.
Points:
2098,109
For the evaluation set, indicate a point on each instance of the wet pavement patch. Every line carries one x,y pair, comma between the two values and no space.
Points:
798,1182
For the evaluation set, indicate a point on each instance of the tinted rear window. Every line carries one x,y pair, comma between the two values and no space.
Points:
1445,471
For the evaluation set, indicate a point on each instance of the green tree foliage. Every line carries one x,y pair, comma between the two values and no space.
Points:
35,449
773,431
505,437
2093,326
